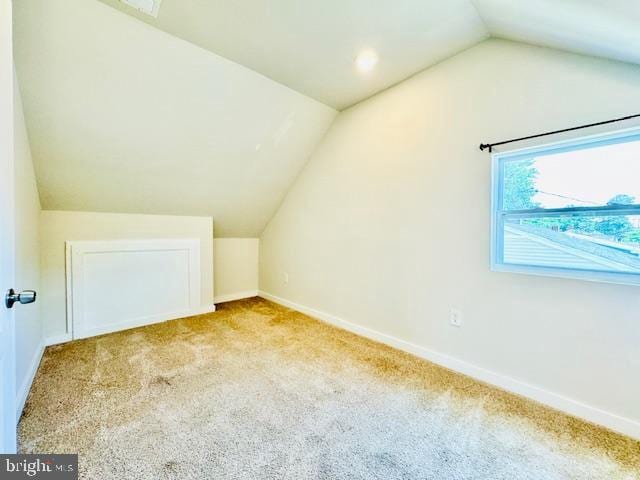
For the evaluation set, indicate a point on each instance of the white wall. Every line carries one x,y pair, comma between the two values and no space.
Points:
388,226
29,337
235,268
56,227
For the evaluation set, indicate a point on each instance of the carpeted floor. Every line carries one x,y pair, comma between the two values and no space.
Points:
257,391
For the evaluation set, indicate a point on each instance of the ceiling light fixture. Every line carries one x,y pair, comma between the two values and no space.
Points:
366,60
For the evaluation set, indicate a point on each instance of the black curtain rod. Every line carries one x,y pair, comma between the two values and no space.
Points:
484,146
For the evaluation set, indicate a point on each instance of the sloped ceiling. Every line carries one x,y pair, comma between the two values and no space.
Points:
125,118
603,28
157,118
310,45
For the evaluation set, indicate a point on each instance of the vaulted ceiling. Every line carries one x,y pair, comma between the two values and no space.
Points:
602,28
125,118
310,45
213,107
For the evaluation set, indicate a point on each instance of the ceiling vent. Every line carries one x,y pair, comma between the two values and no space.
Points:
149,7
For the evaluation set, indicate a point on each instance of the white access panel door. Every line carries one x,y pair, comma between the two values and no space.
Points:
7,235
115,285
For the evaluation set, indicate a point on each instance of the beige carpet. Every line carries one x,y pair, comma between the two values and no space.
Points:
257,391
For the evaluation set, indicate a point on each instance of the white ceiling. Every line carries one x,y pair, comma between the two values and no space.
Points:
310,45
125,118
603,28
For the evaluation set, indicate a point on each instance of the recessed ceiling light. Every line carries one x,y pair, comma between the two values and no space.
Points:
366,60
150,7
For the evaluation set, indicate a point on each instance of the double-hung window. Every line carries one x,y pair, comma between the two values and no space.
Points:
569,209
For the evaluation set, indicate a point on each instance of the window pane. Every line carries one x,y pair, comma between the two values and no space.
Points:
599,243
599,176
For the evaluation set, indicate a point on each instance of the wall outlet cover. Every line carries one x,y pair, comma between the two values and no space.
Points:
455,317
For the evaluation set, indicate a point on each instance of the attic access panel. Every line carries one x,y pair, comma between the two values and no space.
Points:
148,7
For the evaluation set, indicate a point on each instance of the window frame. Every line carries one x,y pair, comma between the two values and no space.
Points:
498,215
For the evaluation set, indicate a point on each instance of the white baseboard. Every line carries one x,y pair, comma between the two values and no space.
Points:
58,339
230,297
144,321
199,311
23,391
578,409
67,337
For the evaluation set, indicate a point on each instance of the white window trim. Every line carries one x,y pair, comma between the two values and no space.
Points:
497,239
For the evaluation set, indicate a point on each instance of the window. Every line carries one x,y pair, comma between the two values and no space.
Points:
570,209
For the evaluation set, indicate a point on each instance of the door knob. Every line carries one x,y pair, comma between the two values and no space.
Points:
24,297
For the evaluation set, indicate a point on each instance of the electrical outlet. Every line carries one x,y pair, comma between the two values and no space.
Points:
285,278
455,317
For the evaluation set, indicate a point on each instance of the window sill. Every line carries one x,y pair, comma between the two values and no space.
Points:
585,275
